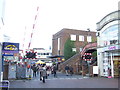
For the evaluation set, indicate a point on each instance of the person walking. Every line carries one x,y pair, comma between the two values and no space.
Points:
37,69
34,68
48,70
66,69
43,74
71,70
40,70
54,71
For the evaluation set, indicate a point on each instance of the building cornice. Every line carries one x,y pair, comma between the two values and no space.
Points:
114,16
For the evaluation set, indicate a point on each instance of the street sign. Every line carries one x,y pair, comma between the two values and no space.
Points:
10,47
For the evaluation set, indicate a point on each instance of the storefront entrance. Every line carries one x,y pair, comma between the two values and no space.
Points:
116,66
111,62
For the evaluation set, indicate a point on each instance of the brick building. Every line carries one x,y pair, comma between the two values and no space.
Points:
80,37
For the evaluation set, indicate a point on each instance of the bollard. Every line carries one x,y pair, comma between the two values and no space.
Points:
29,77
4,85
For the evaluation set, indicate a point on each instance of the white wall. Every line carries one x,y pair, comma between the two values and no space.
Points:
0,60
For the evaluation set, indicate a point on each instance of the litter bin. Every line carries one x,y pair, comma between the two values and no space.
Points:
4,85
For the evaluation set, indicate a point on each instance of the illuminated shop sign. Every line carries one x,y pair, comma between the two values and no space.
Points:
115,47
112,48
10,47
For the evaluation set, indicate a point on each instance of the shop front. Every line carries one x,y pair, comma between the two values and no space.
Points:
10,56
111,61
108,45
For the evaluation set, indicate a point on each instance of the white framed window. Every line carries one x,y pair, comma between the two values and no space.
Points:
80,49
74,49
73,37
89,39
58,44
81,38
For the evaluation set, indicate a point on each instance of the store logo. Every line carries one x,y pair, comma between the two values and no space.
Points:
10,47
112,48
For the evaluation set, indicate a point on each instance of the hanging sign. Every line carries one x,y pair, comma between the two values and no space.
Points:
10,47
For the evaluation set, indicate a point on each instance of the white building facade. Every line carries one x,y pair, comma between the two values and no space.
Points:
43,54
108,39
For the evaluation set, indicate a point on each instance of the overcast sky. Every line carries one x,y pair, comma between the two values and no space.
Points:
53,15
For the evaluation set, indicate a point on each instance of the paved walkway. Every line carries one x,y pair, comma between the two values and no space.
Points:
63,81
61,76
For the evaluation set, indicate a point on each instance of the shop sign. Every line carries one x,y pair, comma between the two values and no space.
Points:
112,48
10,47
116,47
8,54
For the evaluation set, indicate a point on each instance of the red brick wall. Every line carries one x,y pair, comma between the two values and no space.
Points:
64,34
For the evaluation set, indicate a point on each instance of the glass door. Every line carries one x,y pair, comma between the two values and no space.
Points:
105,64
116,64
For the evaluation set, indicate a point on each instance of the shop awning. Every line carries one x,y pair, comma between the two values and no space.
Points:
40,62
56,56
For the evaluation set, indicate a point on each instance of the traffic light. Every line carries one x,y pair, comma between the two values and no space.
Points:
28,54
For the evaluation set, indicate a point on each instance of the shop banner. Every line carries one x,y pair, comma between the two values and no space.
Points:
10,47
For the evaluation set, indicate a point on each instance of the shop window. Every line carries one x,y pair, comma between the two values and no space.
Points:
113,41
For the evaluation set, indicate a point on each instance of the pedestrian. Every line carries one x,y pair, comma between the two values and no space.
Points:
66,69
71,70
48,70
37,69
43,74
54,71
28,67
40,70
34,68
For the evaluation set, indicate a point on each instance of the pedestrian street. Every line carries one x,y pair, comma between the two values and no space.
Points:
63,81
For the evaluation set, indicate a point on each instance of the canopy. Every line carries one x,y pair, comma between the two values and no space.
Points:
55,56
40,62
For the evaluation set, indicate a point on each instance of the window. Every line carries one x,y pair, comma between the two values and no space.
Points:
58,43
74,49
80,49
38,53
73,37
47,54
81,38
89,38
